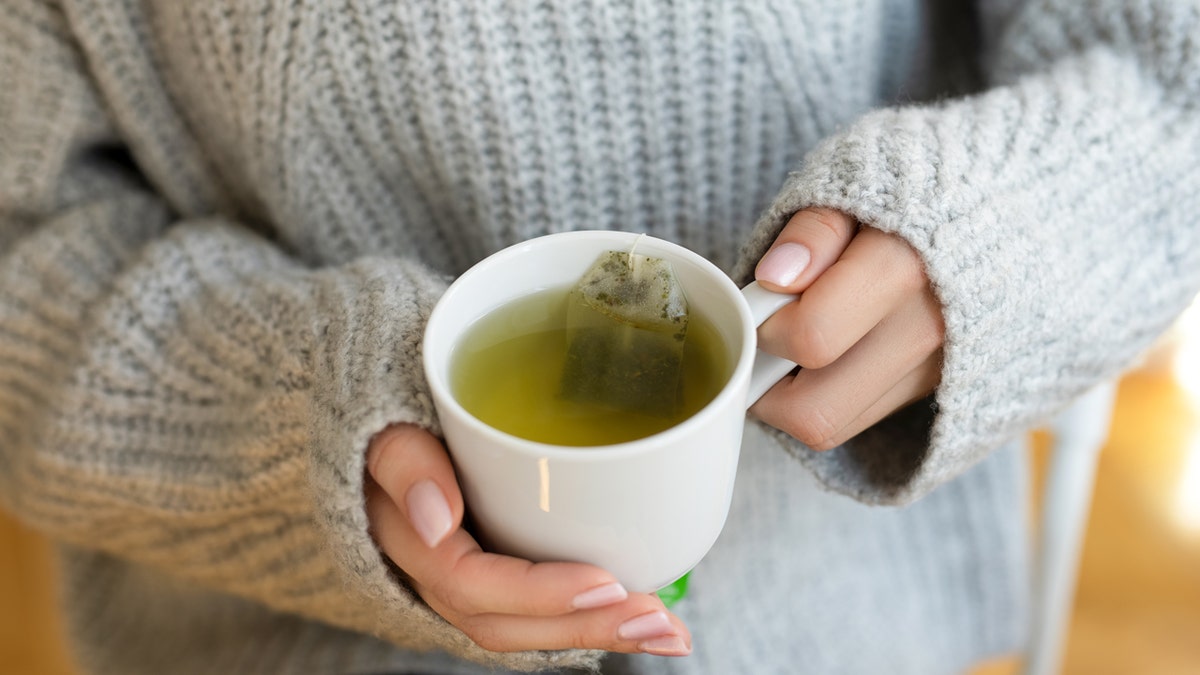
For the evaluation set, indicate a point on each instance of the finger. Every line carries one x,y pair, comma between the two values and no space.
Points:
876,273
459,579
816,404
640,624
466,580
913,387
418,527
544,609
413,468
810,242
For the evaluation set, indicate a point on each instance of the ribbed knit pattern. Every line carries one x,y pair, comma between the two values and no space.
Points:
222,225
1053,215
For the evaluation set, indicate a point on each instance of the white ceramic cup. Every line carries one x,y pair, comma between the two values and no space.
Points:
647,510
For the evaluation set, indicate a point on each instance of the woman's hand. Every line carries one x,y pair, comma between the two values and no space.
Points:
502,603
867,329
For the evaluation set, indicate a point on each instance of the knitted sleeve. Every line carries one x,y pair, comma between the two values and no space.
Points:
179,392
1056,214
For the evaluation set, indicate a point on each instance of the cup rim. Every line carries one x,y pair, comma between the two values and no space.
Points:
443,396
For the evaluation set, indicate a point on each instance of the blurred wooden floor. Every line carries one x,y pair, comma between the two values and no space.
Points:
30,628
1137,607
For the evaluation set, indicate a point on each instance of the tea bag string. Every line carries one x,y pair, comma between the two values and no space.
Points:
631,259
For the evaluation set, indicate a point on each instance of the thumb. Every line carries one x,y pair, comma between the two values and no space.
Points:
807,246
412,466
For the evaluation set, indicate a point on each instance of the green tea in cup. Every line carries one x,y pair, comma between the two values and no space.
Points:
508,368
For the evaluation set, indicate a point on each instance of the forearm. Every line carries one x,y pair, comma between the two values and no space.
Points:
1055,217
176,390
195,400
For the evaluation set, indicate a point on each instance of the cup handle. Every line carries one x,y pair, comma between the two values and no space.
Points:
768,369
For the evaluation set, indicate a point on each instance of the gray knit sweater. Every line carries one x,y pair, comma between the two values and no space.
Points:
222,225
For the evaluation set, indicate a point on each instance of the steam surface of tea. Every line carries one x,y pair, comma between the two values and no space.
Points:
508,368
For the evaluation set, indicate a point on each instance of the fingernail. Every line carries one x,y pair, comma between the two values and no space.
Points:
783,264
654,624
671,645
428,512
600,596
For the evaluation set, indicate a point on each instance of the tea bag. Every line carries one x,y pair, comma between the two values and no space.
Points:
627,320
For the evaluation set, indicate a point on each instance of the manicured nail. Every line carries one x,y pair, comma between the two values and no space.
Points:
428,512
652,625
670,645
783,264
600,596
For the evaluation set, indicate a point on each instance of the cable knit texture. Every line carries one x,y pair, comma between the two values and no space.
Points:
222,225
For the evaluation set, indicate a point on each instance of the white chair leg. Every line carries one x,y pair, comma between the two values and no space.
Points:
1078,435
